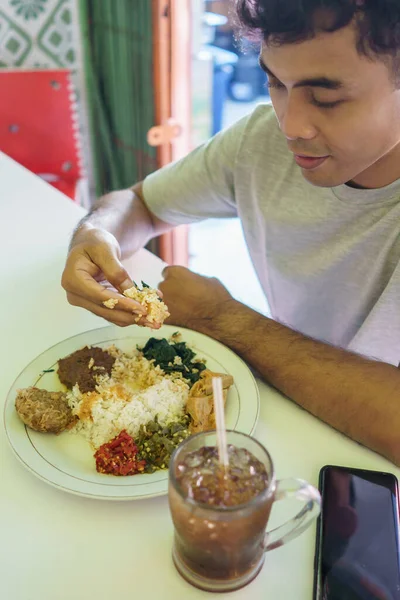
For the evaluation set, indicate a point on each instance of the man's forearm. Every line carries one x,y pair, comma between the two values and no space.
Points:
357,396
123,214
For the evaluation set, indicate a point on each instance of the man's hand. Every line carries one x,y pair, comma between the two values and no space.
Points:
192,300
93,273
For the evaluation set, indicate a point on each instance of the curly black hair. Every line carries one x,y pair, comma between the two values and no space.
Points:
280,22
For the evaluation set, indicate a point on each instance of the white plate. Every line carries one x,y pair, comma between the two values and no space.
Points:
66,461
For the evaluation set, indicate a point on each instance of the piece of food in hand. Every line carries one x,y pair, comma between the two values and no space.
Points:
44,411
200,404
83,367
157,310
119,456
110,303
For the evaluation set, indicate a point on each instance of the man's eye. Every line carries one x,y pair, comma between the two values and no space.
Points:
326,105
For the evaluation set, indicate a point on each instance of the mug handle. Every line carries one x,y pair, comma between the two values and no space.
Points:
311,499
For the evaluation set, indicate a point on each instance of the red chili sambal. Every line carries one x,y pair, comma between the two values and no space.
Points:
118,456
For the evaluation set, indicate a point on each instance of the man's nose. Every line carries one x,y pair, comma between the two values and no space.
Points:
295,120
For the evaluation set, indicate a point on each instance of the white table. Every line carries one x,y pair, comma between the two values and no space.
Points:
56,546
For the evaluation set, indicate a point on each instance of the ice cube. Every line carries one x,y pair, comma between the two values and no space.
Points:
193,460
239,457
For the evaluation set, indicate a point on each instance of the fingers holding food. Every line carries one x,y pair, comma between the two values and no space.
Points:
117,316
155,310
83,273
150,299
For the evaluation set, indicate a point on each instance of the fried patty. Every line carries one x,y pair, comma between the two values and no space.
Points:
83,366
44,411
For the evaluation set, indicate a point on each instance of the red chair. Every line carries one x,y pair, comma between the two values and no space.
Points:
39,126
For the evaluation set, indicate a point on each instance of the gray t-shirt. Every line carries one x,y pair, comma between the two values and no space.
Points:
327,258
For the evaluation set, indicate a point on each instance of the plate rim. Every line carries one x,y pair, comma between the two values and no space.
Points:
118,332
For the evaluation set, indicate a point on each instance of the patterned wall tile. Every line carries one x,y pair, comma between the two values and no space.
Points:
15,44
40,34
29,9
48,26
57,36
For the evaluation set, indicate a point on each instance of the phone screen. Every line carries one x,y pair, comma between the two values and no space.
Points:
358,554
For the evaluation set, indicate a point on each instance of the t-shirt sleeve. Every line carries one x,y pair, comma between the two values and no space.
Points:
200,185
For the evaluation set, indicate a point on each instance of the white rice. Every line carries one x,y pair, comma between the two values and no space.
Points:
137,392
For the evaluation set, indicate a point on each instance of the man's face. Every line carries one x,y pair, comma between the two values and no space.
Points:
337,106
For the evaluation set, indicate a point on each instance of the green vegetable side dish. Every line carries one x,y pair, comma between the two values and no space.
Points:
156,443
174,357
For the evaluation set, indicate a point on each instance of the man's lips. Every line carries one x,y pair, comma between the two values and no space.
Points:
309,162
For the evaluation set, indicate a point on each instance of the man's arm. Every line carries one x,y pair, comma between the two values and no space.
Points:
125,215
353,394
357,396
198,186
119,225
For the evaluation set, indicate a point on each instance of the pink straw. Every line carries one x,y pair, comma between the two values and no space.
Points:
220,421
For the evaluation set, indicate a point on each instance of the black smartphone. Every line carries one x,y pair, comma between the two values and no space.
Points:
358,536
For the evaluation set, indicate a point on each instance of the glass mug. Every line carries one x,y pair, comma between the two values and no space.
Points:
221,549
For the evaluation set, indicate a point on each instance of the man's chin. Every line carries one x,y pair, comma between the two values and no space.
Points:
320,178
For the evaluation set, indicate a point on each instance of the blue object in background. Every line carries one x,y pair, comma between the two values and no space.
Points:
223,61
221,78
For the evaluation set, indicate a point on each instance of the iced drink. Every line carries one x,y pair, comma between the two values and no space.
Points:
220,515
221,544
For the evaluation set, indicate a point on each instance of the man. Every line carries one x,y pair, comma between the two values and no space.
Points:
316,184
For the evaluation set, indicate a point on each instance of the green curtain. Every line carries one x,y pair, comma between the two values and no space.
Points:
117,37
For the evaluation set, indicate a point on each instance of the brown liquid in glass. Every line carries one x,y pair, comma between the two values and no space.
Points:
220,544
